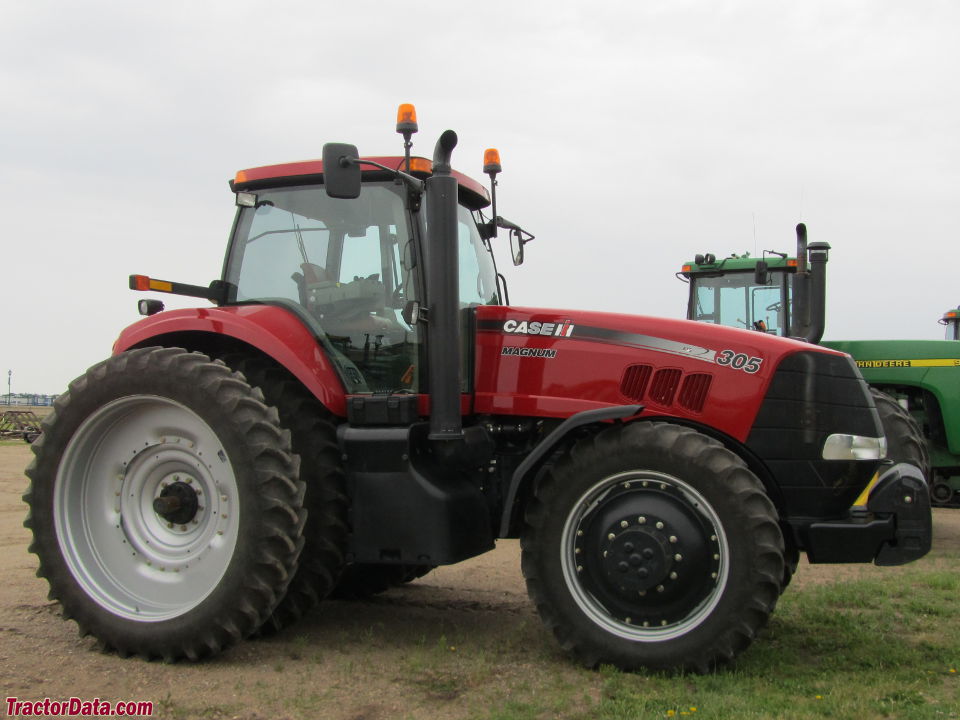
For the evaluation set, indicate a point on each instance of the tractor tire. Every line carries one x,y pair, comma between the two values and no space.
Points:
905,441
791,561
314,439
165,505
652,546
362,581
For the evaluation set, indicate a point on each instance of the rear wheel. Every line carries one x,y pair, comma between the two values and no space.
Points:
651,545
314,439
165,505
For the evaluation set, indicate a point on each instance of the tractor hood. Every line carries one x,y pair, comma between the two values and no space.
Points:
545,362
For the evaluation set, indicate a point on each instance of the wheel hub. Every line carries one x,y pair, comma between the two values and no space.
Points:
177,503
646,555
636,559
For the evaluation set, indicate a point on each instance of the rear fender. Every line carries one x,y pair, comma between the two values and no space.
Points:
274,331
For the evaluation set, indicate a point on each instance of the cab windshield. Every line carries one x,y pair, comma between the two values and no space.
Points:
736,300
347,268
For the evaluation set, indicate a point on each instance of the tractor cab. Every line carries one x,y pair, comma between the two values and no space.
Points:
775,294
735,292
349,267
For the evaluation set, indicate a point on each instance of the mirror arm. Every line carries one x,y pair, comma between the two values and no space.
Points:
409,180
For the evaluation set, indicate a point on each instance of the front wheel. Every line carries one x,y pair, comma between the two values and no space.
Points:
651,545
165,505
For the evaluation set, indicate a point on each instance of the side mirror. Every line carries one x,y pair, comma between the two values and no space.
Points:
341,171
516,248
761,274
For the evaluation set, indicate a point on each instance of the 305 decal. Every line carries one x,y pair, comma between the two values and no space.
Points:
739,361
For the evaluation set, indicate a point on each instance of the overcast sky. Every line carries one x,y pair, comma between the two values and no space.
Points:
632,134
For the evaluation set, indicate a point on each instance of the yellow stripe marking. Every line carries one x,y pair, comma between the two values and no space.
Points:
933,362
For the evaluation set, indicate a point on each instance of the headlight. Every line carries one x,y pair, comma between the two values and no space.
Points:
840,446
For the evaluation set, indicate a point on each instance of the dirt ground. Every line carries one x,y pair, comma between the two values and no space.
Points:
361,660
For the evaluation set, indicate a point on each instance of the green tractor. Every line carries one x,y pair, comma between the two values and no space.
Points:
915,383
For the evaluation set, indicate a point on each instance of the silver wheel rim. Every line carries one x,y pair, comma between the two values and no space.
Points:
129,559
627,627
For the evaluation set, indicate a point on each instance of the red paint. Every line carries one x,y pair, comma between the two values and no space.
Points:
294,171
586,373
271,330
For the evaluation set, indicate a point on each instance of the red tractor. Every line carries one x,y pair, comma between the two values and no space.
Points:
361,404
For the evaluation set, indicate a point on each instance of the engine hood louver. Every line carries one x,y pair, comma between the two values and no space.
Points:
666,387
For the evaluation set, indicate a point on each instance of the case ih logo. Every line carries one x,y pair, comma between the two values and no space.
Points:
563,328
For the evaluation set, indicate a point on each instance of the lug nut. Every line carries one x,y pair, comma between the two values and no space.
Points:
678,557
659,525
673,538
611,536
624,523
642,520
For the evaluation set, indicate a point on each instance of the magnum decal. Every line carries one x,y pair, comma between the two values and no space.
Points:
529,352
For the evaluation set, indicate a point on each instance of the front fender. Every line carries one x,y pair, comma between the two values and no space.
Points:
272,330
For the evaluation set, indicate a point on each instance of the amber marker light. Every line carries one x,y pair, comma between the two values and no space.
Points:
491,161
791,262
142,282
686,268
421,165
406,118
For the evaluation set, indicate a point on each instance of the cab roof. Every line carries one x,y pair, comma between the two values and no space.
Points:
743,263
309,172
